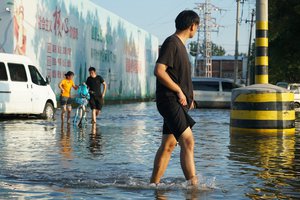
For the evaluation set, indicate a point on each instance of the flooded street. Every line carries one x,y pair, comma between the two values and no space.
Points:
113,160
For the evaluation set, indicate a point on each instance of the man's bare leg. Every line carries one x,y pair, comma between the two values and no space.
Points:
95,113
162,157
186,142
94,116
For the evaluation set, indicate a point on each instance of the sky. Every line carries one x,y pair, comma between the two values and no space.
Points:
158,16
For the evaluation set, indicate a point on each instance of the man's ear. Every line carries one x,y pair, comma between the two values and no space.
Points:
193,27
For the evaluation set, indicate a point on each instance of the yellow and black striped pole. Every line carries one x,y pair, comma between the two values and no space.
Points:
262,108
261,58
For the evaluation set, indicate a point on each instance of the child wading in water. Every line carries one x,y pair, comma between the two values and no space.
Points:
65,98
82,100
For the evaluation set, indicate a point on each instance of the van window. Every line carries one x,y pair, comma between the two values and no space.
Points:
36,77
17,72
227,86
206,85
3,74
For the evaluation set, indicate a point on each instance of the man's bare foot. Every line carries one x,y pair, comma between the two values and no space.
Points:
193,181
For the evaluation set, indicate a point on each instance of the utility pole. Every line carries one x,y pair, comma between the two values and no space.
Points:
248,77
196,69
207,26
237,32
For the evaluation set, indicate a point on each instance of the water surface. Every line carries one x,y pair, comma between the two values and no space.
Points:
113,160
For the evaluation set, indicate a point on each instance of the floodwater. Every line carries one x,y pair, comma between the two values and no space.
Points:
113,160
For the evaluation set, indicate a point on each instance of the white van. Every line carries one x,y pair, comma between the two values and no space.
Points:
295,88
213,92
23,90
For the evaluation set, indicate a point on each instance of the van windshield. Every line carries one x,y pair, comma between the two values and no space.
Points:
227,86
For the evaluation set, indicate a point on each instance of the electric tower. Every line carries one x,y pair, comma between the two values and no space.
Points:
207,25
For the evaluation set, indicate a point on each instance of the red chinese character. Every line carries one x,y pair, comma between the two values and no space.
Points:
49,48
49,59
54,61
59,61
54,48
59,74
53,73
57,22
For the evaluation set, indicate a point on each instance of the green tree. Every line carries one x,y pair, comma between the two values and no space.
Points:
284,40
216,49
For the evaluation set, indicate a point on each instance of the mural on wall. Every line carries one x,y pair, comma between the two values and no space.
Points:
65,35
19,30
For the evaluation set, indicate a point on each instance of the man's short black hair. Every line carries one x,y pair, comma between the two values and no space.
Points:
92,69
185,19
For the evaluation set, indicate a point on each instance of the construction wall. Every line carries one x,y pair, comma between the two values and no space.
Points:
66,35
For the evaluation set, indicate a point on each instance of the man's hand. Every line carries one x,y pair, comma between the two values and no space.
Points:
193,105
182,98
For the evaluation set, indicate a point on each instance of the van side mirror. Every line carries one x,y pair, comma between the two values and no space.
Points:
48,80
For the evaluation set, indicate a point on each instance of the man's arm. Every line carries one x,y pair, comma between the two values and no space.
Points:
160,72
104,89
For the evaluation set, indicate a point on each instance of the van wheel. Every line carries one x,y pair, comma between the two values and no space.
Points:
48,112
297,105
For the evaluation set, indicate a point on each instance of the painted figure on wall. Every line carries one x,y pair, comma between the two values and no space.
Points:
19,30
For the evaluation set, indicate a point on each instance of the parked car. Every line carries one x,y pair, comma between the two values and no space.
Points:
213,92
23,90
295,88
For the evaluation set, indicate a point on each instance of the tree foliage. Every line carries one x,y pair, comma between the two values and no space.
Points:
284,40
216,50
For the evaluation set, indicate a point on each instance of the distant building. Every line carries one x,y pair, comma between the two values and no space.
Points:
222,67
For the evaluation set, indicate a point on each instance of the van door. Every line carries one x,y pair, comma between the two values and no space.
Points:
20,96
4,88
39,90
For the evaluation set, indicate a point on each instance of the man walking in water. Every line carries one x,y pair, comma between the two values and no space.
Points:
174,97
94,82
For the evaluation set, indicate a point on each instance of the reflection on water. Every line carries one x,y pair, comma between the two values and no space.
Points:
271,159
114,159
65,142
95,140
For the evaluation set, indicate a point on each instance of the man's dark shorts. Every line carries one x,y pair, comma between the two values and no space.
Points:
96,102
176,117
65,101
